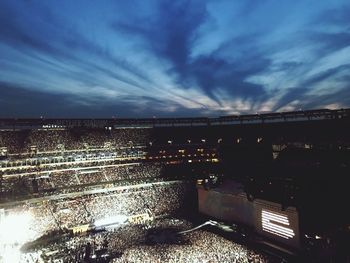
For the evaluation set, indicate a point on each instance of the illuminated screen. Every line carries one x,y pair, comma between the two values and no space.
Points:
276,223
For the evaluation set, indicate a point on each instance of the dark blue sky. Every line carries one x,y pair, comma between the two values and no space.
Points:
172,58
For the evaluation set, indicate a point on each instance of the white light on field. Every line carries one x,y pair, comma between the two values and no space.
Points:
275,223
10,254
15,228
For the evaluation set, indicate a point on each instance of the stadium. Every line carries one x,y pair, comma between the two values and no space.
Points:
243,188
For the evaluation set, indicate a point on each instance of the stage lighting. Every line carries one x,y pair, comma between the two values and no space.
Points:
15,228
112,220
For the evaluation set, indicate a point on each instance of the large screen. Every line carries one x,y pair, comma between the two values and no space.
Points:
276,223
266,217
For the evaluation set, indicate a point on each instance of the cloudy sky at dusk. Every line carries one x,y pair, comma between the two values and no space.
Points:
172,58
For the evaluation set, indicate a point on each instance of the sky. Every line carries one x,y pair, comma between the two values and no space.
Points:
102,59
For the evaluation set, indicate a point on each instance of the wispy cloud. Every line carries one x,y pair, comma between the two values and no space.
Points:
169,58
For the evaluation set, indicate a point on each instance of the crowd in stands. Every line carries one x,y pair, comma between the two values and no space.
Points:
203,247
61,179
161,198
42,140
14,141
129,244
51,182
80,187
133,171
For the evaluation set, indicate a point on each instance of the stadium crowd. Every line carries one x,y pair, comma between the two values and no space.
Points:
129,243
64,179
24,141
161,198
203,247
72,178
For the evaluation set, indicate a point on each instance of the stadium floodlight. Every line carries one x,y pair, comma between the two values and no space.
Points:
112,220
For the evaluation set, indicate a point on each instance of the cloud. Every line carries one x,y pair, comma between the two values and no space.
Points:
169,58
171,31
23,102
172,40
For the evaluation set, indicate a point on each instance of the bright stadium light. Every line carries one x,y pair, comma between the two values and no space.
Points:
112,220
15,228
10,254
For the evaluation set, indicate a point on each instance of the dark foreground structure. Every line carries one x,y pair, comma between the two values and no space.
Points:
70,190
